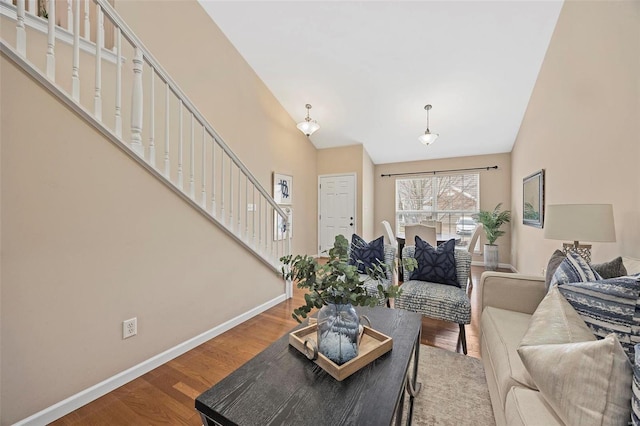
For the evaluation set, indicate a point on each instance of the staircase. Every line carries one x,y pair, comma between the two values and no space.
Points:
89,58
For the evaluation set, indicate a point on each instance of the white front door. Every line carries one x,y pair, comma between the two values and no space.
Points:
337,206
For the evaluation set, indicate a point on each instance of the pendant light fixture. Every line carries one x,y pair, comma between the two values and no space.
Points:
428,138
308,126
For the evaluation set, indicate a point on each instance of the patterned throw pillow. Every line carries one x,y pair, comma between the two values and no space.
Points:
365,255
612,269
608,306
436,265
588,384
556,259
574,269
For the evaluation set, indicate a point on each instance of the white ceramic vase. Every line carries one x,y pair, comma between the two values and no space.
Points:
490,257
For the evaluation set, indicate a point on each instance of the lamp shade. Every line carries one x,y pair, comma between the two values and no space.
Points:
580,222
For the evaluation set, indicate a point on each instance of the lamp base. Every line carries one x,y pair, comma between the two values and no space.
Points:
584,250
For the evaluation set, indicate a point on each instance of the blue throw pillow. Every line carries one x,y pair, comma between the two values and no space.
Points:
365,255
436,265
574,269
608,306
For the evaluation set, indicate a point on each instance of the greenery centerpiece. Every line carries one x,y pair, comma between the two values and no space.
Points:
335,286
492,222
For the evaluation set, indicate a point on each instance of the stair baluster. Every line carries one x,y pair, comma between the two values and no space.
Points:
136,103
51,41
21,33
97,102
246,200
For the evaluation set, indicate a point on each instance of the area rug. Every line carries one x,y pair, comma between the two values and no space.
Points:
454,390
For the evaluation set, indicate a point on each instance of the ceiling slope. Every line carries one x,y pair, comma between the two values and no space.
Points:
369,68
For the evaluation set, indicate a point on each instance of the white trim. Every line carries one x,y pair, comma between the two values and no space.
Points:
76,401
62,34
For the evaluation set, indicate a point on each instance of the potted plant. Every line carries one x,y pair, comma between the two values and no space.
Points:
492,221
335,287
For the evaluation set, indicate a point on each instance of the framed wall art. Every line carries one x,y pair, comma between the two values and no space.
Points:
533,199
280,227
282,188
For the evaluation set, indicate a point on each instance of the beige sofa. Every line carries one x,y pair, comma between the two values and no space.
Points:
508,301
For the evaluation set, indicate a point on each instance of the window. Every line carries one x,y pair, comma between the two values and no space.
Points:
449,199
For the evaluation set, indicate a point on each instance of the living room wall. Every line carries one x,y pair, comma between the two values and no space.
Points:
221,84
495,187
345,159
90,238
582,126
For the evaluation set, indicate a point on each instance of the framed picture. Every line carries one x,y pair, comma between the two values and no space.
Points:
282,188
280,226
533,199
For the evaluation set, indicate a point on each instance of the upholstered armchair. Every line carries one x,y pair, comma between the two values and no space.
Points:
372,285
439,301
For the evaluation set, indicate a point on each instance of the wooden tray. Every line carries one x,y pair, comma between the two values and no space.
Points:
373,344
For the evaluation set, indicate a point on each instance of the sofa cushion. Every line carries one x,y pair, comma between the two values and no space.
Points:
589,384
631,265
553,322
574,269
502,331
439,301
528,407
608,306
611,269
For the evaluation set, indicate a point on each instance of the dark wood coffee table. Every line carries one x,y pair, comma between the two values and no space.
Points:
280,386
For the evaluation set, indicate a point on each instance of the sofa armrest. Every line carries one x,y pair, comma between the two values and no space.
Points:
515,292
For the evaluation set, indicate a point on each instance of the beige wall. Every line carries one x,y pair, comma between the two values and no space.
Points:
234,100
582,126
91,239
346,159
495,187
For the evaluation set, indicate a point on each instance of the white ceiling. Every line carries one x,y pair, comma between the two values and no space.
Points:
369,68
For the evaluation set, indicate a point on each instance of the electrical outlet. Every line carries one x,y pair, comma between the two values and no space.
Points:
251,207
129,328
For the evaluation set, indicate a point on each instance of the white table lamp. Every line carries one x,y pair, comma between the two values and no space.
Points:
580,222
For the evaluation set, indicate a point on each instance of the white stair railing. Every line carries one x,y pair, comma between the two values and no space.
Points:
219,185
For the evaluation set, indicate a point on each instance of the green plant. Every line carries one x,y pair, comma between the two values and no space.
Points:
43,10
335,281
492,221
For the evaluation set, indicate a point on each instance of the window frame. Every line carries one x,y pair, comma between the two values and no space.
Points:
435,212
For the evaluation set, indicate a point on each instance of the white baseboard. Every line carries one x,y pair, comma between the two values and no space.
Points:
76,401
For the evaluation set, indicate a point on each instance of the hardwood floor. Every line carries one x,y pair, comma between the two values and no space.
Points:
166,394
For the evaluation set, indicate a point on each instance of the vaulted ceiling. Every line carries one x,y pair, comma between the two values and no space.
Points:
368,68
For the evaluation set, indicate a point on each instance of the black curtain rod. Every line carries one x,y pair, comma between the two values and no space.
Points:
440,171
